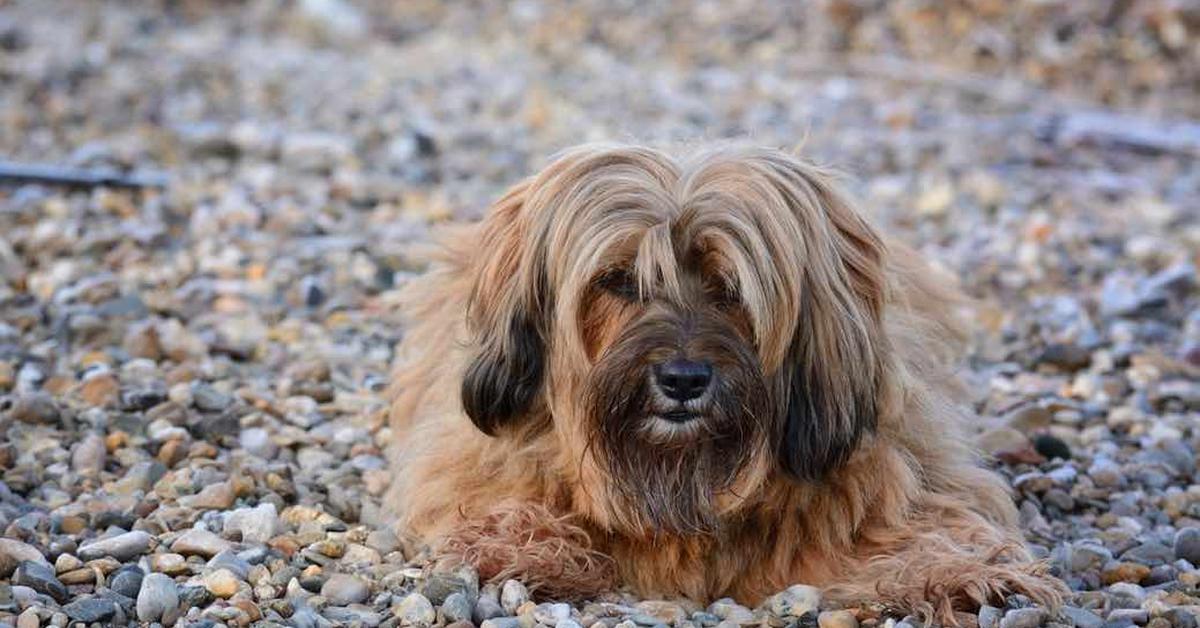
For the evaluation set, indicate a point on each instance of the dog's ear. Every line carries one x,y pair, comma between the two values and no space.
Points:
503,382
836,364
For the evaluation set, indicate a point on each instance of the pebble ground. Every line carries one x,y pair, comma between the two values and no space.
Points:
190,377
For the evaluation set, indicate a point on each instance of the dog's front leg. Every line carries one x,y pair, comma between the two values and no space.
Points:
948,559
548,552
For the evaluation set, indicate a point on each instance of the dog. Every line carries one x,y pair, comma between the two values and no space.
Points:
695,376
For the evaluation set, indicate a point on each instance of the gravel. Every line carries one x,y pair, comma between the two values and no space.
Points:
192,425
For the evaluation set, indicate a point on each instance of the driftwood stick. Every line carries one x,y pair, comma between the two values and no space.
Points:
17,173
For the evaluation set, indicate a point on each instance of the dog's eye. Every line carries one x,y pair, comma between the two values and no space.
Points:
619,283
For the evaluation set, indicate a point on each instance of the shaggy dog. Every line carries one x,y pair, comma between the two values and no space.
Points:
695,377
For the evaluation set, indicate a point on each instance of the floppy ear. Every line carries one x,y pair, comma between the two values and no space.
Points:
836,363
506,316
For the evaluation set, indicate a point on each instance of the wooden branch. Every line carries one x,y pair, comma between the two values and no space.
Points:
18,173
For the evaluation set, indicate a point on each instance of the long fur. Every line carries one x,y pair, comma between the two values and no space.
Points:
831,449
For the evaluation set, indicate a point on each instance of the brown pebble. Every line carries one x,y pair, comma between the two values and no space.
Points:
101,390
1124,572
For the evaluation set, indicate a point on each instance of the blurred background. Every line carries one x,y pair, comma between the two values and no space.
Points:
290,154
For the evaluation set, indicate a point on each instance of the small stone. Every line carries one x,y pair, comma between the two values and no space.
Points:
1151,554
88,456
127,581
1002,439
1060,499
1119,616
416,610
158,598
1187,545
486,608
550,614
1023,618
67,562
190,596
222,583
257,442
512,595
342,590
383,541
1051,447
1081,618
504,622
168,563
100,390
209,399
91,609
837,619
793,601
29,618
731,611
1105,473
663,612
441,584
36,408
13,552
1066,357
40,577
989,616
200,542
456,607
1180,618
257,524
121,547
1088,557
217,496
232,562
1124,572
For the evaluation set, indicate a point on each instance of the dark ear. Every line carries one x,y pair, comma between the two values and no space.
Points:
825,419
836,363
503,381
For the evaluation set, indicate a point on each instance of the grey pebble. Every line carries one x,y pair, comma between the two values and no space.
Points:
158,598
257,525
415,610
512,595
1081,618
200,542
12,552
343,589
989,616
355,614
231,561
487,607
1187,545
122,547
41,578
209,399
1023,618
456,607
793,601
127,581
91,609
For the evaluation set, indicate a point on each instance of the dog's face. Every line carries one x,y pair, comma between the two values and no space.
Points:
686,331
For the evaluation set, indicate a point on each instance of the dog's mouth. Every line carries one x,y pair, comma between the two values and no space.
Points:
680,415
673,426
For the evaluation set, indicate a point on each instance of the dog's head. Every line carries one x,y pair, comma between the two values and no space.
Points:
686,330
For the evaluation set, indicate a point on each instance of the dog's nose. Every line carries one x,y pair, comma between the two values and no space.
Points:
683,380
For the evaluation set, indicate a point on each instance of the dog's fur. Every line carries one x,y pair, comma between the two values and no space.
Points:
829,450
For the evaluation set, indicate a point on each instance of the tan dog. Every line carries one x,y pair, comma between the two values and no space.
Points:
699,377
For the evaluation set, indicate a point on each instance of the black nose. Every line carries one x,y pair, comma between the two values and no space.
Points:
682,380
